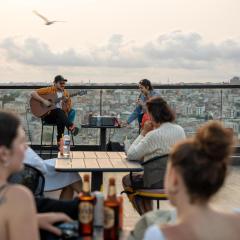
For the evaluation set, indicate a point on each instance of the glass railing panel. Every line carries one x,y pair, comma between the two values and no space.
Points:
17,100
231,110
193,107
121,102
84,105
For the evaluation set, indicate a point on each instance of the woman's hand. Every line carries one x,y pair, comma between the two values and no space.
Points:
148,126
46,221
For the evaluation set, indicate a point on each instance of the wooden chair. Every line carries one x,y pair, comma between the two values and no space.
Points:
152,194
154,171
51,145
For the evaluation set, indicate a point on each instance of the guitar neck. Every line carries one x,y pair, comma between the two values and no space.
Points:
71,95
74,94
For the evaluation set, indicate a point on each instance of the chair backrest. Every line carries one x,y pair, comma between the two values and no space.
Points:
154,171
30,177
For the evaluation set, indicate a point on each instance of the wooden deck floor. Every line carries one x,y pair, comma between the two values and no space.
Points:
227,199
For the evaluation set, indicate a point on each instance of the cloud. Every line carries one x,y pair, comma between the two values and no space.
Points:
176,50
34,52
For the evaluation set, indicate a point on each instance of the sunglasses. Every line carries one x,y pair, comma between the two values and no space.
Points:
62,83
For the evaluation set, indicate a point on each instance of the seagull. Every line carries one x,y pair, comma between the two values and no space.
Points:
47,22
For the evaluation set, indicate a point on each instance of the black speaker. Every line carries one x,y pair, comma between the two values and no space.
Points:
102,121
108,121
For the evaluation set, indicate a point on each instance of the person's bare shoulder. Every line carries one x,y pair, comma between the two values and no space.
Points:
234,218
168,230
176,231
18,194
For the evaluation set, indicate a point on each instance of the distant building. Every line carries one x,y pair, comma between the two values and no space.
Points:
235,80
173,105
16,107
200,110
233,125
188,110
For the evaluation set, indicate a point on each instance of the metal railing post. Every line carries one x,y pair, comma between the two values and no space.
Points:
101,92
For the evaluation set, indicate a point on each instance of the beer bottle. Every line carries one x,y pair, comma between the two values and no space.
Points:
86,209
111,213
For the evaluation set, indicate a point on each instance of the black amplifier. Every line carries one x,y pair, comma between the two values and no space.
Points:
102,121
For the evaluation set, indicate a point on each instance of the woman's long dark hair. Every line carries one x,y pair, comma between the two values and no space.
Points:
160,110
9,124
146,83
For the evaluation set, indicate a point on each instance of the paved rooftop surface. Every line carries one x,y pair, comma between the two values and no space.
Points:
227,199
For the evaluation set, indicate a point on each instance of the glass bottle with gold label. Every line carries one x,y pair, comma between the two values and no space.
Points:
86,209
111,213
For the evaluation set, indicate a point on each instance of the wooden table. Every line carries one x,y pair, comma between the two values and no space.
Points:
96,163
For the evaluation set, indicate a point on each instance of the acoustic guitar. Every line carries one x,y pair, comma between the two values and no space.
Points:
39,109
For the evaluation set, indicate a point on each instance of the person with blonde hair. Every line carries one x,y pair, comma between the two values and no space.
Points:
196,170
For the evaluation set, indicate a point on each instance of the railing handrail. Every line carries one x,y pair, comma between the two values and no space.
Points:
127,86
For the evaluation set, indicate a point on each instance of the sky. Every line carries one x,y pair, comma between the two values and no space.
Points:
112,41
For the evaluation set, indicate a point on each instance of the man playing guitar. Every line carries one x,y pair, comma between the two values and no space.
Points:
63,112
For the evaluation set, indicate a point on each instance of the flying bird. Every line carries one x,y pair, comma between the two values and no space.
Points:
47,22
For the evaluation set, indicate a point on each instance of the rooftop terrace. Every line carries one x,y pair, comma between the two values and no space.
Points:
193,104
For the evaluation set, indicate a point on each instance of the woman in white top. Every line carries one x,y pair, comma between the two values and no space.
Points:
67,182
196,171
156,139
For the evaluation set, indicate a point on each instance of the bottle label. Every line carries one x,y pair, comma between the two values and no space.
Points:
109,217
85,212
112,191
86,187
67,142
